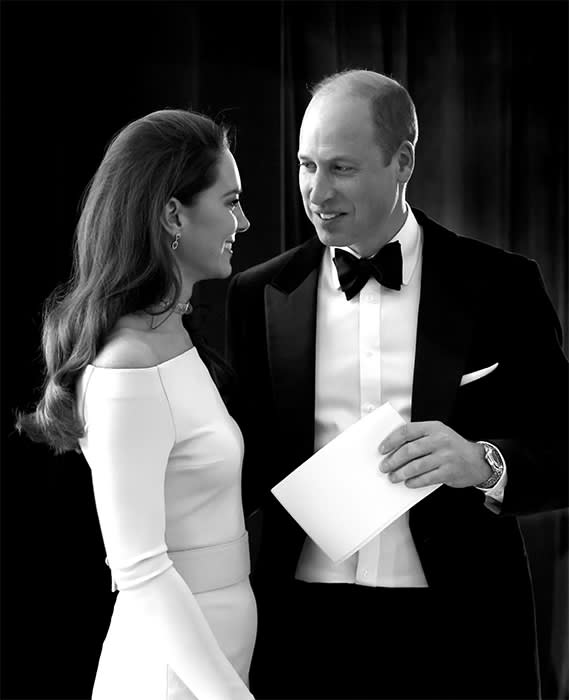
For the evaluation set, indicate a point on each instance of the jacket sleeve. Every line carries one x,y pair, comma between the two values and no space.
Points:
536,454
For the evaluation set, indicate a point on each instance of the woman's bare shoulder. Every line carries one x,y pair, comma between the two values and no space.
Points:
127,349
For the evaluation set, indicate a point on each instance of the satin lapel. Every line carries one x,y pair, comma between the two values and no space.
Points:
290,308
444,328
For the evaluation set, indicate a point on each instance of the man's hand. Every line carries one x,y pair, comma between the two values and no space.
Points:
431,453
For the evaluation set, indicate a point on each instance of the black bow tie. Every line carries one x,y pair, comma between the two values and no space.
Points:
353,273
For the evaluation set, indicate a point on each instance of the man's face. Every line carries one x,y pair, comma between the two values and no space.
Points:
349,194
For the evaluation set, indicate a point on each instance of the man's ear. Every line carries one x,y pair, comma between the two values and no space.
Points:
171,216
405,161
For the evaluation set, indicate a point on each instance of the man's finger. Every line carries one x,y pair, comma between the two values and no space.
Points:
413,469
407,453
405,433
426,479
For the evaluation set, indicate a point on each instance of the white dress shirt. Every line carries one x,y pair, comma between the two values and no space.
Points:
365,355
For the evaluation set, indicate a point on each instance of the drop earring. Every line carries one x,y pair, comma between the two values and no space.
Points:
175,242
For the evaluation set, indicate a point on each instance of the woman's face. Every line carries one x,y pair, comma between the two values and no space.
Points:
210,224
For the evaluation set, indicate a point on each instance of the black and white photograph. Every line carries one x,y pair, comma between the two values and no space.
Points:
283,356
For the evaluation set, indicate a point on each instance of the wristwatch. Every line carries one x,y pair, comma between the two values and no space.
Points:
495,461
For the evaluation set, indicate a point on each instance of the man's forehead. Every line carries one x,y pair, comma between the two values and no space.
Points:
333,150
335,117
334,138
340,103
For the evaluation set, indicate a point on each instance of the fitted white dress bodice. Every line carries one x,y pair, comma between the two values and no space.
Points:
165,458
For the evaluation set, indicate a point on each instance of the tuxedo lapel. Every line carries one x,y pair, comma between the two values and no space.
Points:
444,327
290,308
444,331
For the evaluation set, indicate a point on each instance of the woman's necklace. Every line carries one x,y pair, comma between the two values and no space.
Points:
182,308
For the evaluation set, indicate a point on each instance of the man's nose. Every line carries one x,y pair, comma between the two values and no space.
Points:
321,189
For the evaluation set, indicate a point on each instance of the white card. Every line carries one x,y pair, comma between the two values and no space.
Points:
339,496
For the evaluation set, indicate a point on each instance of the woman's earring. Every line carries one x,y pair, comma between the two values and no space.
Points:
175,242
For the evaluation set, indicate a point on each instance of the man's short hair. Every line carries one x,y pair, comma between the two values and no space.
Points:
392,108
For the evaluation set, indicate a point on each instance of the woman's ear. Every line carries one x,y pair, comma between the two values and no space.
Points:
171,216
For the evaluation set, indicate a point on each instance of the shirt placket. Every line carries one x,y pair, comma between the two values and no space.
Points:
370,399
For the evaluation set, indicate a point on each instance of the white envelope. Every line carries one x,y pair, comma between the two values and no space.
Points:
339,496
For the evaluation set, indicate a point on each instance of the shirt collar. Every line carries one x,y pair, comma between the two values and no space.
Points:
408,236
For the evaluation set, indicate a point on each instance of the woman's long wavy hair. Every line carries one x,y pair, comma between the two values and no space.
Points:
122,259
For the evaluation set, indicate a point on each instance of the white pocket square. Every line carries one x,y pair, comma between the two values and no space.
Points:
473,376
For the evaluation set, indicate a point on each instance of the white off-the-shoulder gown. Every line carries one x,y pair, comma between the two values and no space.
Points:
165,459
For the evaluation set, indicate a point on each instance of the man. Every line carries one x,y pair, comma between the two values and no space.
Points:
462,340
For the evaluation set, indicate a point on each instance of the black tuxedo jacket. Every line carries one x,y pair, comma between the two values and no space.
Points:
478,305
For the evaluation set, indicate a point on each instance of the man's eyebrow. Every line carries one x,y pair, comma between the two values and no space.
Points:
329,159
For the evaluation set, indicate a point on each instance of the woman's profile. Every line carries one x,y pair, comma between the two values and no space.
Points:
126,385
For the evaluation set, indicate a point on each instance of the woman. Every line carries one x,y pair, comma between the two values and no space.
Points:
126,385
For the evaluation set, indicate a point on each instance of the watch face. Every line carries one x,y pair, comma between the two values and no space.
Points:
493,459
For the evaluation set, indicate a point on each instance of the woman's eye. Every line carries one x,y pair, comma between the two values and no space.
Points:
234,202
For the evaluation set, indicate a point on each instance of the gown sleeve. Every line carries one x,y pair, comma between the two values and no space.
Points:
128,439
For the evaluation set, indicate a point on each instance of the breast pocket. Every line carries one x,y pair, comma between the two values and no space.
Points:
478,374
478,409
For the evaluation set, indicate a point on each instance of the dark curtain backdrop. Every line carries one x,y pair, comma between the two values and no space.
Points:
489,80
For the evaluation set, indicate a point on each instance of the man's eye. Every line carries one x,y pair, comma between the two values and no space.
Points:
306,165
343,168
234,202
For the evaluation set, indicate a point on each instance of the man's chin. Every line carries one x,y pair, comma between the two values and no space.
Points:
331,235
333,239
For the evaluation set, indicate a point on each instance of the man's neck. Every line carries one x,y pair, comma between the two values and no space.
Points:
390,230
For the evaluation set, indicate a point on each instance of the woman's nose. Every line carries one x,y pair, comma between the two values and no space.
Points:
242,221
